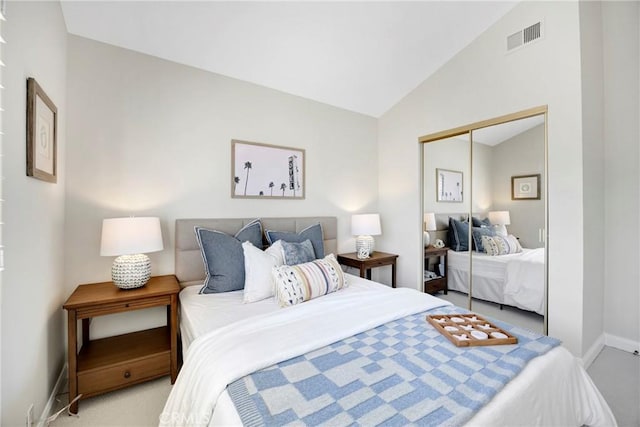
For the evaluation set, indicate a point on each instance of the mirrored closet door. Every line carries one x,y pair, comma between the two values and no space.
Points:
446,195
495,229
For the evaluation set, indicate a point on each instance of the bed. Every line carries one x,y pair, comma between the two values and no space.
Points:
226,341
515,279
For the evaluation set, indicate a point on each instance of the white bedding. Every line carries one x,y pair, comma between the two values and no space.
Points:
201,313
515,279
553,389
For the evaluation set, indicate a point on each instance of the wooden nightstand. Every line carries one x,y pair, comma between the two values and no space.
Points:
377,259
111,363
432,286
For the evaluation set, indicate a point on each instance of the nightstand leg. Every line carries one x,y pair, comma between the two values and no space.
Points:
393,275
72,337
368,274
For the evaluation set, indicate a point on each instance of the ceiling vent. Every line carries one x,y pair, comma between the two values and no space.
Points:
524,37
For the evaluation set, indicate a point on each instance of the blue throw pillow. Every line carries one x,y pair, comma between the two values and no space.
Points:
224,258
298,253
458,235
477,222
477,236
313,233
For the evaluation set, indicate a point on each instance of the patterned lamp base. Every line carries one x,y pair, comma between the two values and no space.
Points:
364,246
131,271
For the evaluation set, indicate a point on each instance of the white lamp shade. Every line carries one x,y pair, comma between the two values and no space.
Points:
430,221
499,217
366,225
128,236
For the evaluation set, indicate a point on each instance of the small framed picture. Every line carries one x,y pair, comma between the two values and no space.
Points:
525,187
264,171
42,134
449,186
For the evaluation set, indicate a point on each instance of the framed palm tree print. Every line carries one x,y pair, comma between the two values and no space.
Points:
265,171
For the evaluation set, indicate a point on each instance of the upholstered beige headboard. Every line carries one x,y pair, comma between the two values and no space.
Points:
189,266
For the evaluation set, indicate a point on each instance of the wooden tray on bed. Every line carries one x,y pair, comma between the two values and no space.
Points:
465,325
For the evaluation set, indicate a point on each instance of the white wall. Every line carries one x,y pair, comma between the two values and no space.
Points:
593,174
483,82
482,179
33,290
621,40
151,137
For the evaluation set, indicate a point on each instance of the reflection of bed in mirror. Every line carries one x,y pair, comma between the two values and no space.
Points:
515,279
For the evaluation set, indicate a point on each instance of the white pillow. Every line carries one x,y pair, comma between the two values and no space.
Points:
258,280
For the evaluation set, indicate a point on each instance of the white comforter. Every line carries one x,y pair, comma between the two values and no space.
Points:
524,284
514,279
230,352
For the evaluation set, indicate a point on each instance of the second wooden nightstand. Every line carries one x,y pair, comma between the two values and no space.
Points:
377,259
438,283
111,363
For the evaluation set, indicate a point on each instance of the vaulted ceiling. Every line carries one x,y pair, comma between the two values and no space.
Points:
360,56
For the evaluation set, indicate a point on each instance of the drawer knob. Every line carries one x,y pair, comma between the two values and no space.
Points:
126,305
127,374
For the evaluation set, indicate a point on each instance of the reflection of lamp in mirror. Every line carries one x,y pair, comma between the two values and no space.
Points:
364,226
429,225
500,219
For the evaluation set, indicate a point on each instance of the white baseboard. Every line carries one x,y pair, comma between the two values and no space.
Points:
593,352
608,340
57,389
620,343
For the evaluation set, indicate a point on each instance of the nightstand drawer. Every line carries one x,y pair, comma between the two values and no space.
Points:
117,307
434,285
123,374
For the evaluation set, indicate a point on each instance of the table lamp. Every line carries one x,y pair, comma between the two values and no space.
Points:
500,219
129,239
429,225
365,226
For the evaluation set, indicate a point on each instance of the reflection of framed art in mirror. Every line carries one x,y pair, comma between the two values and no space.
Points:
449,186
525,187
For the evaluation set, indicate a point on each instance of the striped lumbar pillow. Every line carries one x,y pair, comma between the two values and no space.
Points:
299,283
499,245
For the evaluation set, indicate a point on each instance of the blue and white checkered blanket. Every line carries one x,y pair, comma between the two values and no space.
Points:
402,372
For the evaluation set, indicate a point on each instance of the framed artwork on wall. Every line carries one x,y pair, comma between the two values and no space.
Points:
42,134
525,187
264,171
449,186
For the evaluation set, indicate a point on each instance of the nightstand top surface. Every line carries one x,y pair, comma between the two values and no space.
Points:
434,250
377,255
106,292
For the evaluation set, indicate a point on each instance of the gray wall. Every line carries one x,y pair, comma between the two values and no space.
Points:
593,173
151,137
520,155
621,57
